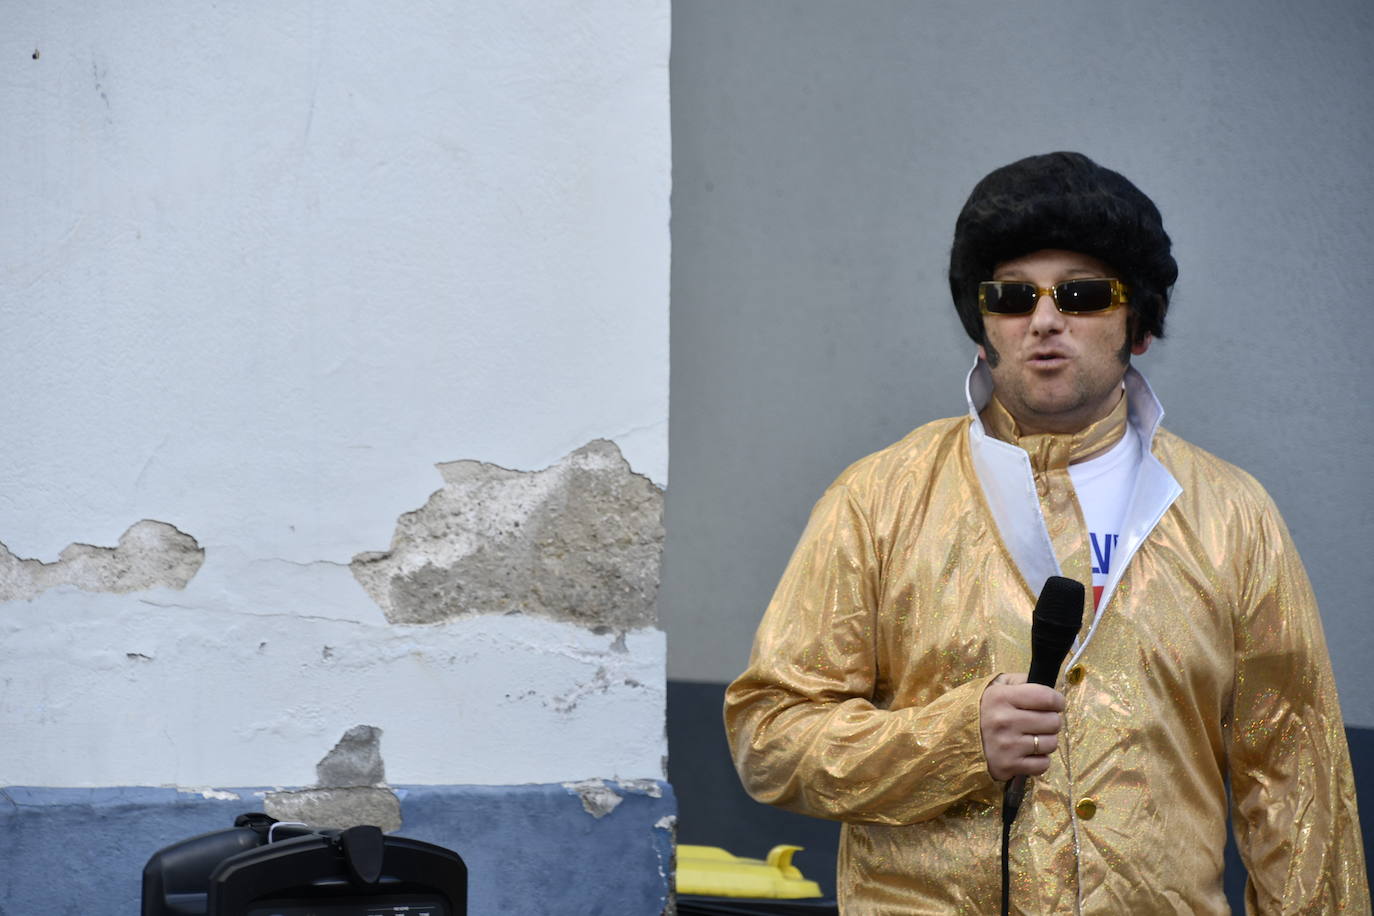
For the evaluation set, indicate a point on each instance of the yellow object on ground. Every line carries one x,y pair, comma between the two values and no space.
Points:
711,871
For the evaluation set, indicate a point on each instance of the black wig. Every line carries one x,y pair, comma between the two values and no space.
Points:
1069,202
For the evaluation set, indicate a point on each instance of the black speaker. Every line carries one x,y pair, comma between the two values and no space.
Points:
262,867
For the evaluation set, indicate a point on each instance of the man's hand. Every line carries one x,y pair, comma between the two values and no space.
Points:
1020,725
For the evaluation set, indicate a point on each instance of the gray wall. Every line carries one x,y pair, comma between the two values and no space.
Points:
821,153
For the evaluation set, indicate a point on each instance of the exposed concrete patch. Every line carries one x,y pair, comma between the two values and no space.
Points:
579,541
150,554
355,761
339,808
351,788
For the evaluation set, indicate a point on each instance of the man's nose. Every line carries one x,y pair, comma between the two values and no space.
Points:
1046,318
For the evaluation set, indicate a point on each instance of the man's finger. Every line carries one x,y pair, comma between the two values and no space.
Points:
1035,696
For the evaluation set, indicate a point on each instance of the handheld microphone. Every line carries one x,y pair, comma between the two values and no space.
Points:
1057,618
1055,622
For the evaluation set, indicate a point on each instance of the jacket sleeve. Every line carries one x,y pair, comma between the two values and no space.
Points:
1294,796
803,727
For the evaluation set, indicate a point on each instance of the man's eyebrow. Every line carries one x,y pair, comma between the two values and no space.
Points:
1014,276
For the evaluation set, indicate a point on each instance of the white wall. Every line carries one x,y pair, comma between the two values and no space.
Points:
262,266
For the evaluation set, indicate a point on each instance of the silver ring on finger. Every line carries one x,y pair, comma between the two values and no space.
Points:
1035,745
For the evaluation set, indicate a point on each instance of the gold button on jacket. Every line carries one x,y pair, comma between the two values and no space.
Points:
901,603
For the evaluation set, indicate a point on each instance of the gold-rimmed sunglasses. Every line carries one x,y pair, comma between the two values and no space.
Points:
1072,297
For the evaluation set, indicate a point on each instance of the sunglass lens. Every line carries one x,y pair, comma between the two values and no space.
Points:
1009,298
1084,295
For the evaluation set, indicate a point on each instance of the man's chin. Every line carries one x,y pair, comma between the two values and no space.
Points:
1050,415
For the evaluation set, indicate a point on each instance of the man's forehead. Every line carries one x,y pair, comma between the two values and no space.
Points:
1054,260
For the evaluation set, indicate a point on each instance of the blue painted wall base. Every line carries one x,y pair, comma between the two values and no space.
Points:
530,850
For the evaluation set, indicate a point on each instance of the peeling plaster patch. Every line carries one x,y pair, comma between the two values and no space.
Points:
578,541
150,554
351,788
666,850
598,799
649,787
216,794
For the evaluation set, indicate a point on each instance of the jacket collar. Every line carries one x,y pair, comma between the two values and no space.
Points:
1143,410
1008,485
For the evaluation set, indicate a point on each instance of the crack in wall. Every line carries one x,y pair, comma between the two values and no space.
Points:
299,564
150,554
579,541
261,615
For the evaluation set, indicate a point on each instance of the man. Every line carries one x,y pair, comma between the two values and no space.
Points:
883,688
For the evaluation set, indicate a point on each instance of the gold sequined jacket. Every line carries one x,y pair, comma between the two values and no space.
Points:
912,587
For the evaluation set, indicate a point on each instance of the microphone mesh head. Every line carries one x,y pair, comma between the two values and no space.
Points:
1060,604
1054,624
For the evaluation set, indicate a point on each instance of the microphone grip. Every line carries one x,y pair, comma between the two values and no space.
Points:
1051,641
1046,660
1043,670
1050,644
1012,795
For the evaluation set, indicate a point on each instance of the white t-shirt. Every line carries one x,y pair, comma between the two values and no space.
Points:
1103,486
